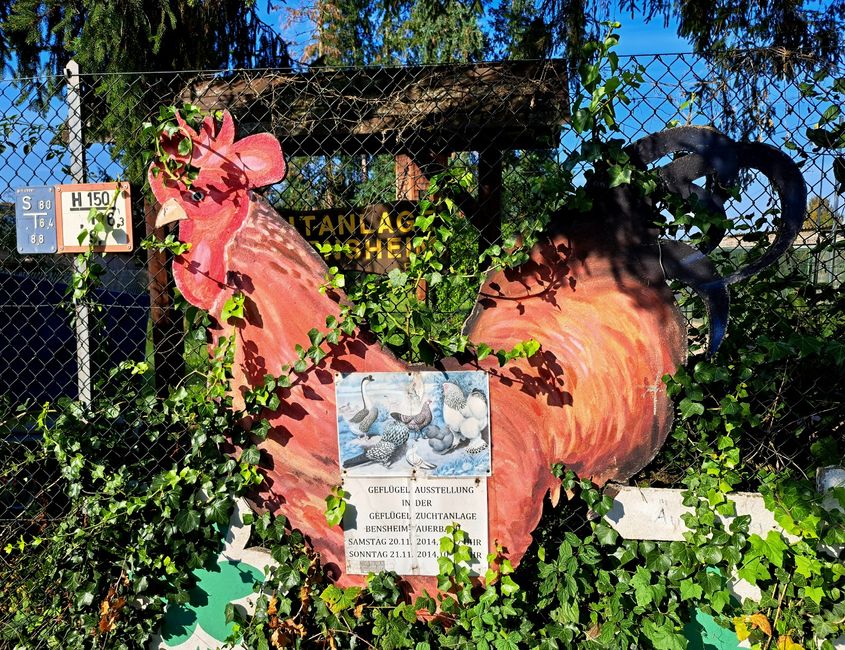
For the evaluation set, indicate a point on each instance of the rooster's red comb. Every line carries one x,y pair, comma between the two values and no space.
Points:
252,162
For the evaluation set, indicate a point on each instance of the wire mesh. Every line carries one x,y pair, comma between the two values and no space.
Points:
353,138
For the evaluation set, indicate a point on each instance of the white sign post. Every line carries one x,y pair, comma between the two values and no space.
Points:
84,371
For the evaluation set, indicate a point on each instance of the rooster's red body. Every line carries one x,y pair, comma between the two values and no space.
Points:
592,398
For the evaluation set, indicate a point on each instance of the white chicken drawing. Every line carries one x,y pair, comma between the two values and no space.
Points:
466,417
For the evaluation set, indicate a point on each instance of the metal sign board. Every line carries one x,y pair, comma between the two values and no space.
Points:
35,220
374,238
395,524
112,201
419,423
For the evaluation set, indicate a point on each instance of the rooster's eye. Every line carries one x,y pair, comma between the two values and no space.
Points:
197,196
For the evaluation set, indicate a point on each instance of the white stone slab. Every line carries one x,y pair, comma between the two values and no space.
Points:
655,513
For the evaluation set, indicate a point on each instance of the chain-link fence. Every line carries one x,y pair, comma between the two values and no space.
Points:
359,143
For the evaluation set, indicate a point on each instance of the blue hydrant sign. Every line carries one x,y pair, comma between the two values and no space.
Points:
35,219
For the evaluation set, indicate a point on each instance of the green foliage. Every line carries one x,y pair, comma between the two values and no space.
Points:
142,488
125,527
41,36
170,244
336,505
585,590
357,32
418,311
829,132
119,37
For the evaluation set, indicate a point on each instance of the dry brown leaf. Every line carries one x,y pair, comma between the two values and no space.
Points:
594,632
305,596
359,609
761,623
293,626
280,640
109,610
272,606
786,643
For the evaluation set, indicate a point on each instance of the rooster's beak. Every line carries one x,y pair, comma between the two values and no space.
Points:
171,211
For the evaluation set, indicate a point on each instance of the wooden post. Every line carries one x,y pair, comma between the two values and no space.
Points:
410,180
168,330
410,183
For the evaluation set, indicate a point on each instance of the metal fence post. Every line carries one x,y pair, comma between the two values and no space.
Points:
76,144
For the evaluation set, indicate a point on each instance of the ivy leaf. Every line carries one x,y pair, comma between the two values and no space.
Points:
233,308
217,511
482,350
606,535
318,354
741,629
262,429
619,175
397,278
814,593
786,643
709,554
85,599
187,521
807,566
250,456
690,590
581,120
336,505
663,637
340,599
315,336
720,599
643,591
185,146
689,408
753,569
775,547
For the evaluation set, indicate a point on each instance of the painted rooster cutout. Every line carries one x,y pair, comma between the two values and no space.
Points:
594,294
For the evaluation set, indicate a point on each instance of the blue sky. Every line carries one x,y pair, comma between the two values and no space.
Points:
637,36
33,169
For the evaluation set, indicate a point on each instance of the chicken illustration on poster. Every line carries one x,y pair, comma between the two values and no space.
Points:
414,423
